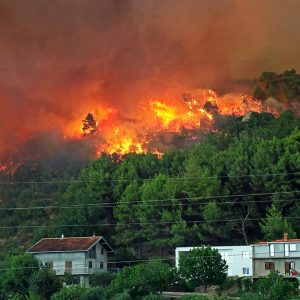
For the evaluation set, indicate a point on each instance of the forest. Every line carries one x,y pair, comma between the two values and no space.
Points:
238,185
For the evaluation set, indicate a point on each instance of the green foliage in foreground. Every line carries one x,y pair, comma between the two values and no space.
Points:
151,277
26,278
203,266
275,287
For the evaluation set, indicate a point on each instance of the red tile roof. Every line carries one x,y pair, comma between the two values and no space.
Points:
67,244
278,241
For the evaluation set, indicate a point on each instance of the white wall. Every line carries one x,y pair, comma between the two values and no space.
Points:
59,259
237,258
80,261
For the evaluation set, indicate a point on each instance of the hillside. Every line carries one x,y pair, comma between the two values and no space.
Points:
214,192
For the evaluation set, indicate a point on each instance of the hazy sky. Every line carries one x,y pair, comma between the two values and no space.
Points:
60,59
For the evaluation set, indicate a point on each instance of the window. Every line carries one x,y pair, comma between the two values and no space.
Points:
269,266
293,247
101,265
68,266
49,264
272,250
245,254
92,252
286,250
245,271
102,250
90,264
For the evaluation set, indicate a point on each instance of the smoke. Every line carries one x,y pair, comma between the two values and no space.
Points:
61,60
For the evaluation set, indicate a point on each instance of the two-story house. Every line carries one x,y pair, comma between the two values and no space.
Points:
79,256
280,255
238,258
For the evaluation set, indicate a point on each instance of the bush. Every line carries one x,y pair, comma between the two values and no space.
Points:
102,279
247,285
252,296
177,283
274,287
143,279
94,293
152,297
73,292
44,283
122,296
199,297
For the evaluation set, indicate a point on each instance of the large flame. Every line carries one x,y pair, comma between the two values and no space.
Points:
195,110
150,126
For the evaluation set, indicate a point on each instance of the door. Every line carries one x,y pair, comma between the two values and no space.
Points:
287,267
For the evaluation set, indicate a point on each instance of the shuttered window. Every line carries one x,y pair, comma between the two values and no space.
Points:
269,266
68,266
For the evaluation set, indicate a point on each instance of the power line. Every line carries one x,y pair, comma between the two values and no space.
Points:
111,205
146,179
139,223
84,205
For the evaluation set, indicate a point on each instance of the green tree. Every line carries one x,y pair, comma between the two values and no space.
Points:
68,292
16,281
151,277
203,266
212,229
44,283
160,213
275,225
92,193
274,287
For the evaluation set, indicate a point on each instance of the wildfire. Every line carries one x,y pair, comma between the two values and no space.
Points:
153,123
195,110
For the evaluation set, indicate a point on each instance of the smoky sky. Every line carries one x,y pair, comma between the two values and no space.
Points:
60,59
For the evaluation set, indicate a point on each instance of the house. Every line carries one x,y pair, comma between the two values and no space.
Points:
280,255
79,256
238,258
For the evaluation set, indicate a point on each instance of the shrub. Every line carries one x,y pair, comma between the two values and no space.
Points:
252,296
73,292
102,279
142,279
94,293
274,287
177,283
44,283
122,296
152,297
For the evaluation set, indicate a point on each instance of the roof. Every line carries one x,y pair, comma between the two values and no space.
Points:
68,244
278,241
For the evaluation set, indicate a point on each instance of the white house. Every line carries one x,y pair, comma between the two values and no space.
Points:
238,258
79,256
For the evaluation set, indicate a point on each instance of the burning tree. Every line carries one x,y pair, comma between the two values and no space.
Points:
89,125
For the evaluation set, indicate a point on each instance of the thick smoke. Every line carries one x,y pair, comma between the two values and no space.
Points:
62,59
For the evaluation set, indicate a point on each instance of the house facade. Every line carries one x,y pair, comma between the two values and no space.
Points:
79,256
279,255
238,258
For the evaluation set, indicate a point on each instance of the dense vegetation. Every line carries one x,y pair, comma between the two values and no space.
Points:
239,184
217,192
26,279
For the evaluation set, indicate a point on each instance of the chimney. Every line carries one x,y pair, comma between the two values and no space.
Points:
285,237
62,236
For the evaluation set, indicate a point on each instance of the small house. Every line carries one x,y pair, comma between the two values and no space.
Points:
79,256
280,255
238,258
